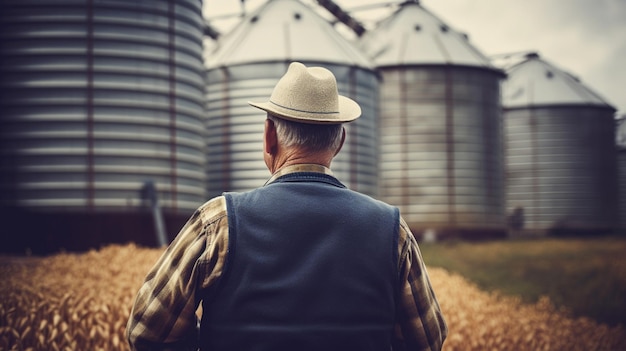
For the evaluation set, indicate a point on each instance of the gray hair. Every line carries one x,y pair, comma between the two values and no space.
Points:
312,137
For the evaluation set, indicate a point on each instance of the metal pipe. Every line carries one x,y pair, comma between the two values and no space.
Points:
149,193
210,31
342,16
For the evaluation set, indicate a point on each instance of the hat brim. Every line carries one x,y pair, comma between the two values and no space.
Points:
349,110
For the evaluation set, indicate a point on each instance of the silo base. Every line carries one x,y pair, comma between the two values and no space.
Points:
561,232
41,233
469,234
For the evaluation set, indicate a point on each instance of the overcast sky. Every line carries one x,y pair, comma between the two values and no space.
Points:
586,38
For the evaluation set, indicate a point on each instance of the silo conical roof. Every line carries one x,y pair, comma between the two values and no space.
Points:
536,82
281,30
414,36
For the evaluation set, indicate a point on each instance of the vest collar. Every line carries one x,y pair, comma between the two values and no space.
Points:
305,167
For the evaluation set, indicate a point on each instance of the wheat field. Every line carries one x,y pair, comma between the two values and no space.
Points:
81,302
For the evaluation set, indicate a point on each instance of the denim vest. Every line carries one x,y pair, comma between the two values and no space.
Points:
311,266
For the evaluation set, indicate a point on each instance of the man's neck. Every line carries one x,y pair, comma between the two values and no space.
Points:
295,156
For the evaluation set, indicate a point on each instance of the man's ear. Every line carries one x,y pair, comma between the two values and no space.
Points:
343,139
270,139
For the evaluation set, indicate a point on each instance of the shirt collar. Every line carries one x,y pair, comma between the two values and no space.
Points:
305,167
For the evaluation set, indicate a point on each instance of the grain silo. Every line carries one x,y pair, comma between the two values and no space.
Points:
560,145
440,124
102,101
245,66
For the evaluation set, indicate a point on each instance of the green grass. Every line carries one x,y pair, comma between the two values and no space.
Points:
587,276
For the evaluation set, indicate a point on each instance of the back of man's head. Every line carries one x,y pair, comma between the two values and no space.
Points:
306,136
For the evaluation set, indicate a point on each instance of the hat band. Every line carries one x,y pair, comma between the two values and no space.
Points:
295,109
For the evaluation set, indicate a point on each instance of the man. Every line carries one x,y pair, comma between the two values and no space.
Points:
301,263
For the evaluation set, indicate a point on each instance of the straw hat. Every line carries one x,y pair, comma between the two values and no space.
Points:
309,95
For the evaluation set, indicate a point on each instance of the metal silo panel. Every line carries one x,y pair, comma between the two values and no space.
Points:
357,163
99,97
441,146
561,167
235,129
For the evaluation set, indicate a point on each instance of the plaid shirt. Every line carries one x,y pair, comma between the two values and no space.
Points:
164,313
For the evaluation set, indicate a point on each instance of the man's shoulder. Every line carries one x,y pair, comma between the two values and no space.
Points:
372,200
213,209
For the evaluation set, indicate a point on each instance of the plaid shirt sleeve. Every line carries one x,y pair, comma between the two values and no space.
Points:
420,324
163,316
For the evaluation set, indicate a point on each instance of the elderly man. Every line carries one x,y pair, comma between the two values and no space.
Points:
301,263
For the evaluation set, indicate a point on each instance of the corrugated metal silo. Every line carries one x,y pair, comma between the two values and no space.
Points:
98,98
560,145
441,131
246,65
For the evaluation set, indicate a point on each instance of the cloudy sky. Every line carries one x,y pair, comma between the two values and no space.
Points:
586,38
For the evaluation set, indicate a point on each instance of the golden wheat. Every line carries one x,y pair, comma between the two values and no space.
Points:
82,301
